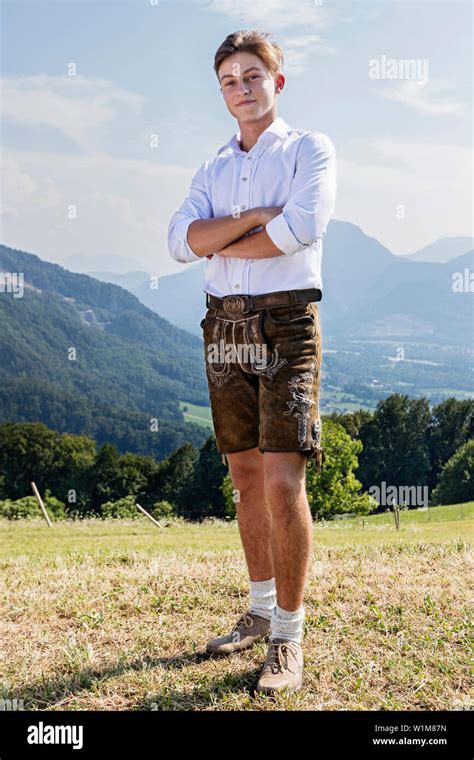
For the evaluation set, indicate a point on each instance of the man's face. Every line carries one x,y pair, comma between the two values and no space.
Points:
248,88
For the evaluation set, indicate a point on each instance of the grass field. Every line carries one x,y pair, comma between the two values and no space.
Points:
115,614
201,415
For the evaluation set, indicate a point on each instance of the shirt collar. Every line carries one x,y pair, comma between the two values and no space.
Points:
278,127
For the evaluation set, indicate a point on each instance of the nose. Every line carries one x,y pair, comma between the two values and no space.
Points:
243,89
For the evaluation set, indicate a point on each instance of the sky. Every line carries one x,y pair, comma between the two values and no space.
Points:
110,106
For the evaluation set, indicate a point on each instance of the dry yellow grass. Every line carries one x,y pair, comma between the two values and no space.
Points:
387,628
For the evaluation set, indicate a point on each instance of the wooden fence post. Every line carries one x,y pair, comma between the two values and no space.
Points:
40,502
149,516
396,514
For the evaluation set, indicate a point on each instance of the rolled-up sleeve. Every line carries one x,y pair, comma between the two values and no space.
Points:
195,206
305,216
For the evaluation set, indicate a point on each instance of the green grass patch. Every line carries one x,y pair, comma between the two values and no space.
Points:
200,415
33,538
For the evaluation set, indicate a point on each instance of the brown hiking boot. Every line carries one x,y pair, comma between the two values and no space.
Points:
283,668
248,629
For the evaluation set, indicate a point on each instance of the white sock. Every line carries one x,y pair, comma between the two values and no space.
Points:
287,625
263,597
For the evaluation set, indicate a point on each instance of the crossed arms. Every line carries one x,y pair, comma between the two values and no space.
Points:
194,232
226,235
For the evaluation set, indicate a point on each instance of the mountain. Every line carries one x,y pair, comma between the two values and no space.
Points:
420,303
352,265
178,297
371,293
443,250
87,357
389,324
82,263
368,292
129,280
418,300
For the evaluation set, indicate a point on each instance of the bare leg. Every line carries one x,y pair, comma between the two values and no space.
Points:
292,526
253,514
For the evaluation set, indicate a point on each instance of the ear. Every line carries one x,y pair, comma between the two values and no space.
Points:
279,82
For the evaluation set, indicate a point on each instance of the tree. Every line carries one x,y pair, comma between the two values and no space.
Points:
230,496
125,507
352,422
452,425
136,472
105,478
395,443
336,490
204,497
31,451
456,482
173,478
162,509
28,507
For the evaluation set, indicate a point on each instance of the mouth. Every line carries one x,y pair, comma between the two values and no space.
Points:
246,103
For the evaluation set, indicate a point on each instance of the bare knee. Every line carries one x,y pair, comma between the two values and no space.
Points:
246,469
284,491
282,485
284,472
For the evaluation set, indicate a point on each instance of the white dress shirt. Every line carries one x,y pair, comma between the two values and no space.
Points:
289,168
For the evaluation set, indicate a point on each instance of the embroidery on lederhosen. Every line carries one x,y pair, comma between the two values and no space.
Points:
219,376
316,449
301,407
301,387
275,363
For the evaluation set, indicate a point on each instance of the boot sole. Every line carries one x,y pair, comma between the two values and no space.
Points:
268,691
238,649
285,690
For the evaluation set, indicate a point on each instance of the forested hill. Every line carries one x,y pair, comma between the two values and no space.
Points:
131,367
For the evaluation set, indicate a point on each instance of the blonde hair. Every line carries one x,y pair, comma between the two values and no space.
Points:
252,41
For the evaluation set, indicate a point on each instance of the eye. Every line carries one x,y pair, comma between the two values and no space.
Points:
228,83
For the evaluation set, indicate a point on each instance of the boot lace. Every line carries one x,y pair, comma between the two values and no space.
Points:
277,659
245,620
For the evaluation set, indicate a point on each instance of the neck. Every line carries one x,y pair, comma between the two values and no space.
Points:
251,131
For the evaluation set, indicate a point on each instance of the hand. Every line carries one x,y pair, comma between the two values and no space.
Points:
267,213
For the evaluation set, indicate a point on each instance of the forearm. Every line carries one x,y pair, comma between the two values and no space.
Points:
206,236
256,246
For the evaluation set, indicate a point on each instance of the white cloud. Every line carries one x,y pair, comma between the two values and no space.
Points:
430,181
298,50
276,16
17,185
123,208
424,98
124,205
80,108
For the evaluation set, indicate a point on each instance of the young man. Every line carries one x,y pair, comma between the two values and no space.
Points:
258,211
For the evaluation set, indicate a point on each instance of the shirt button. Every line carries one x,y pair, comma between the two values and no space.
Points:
249,158
243,207
244,179
237,286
